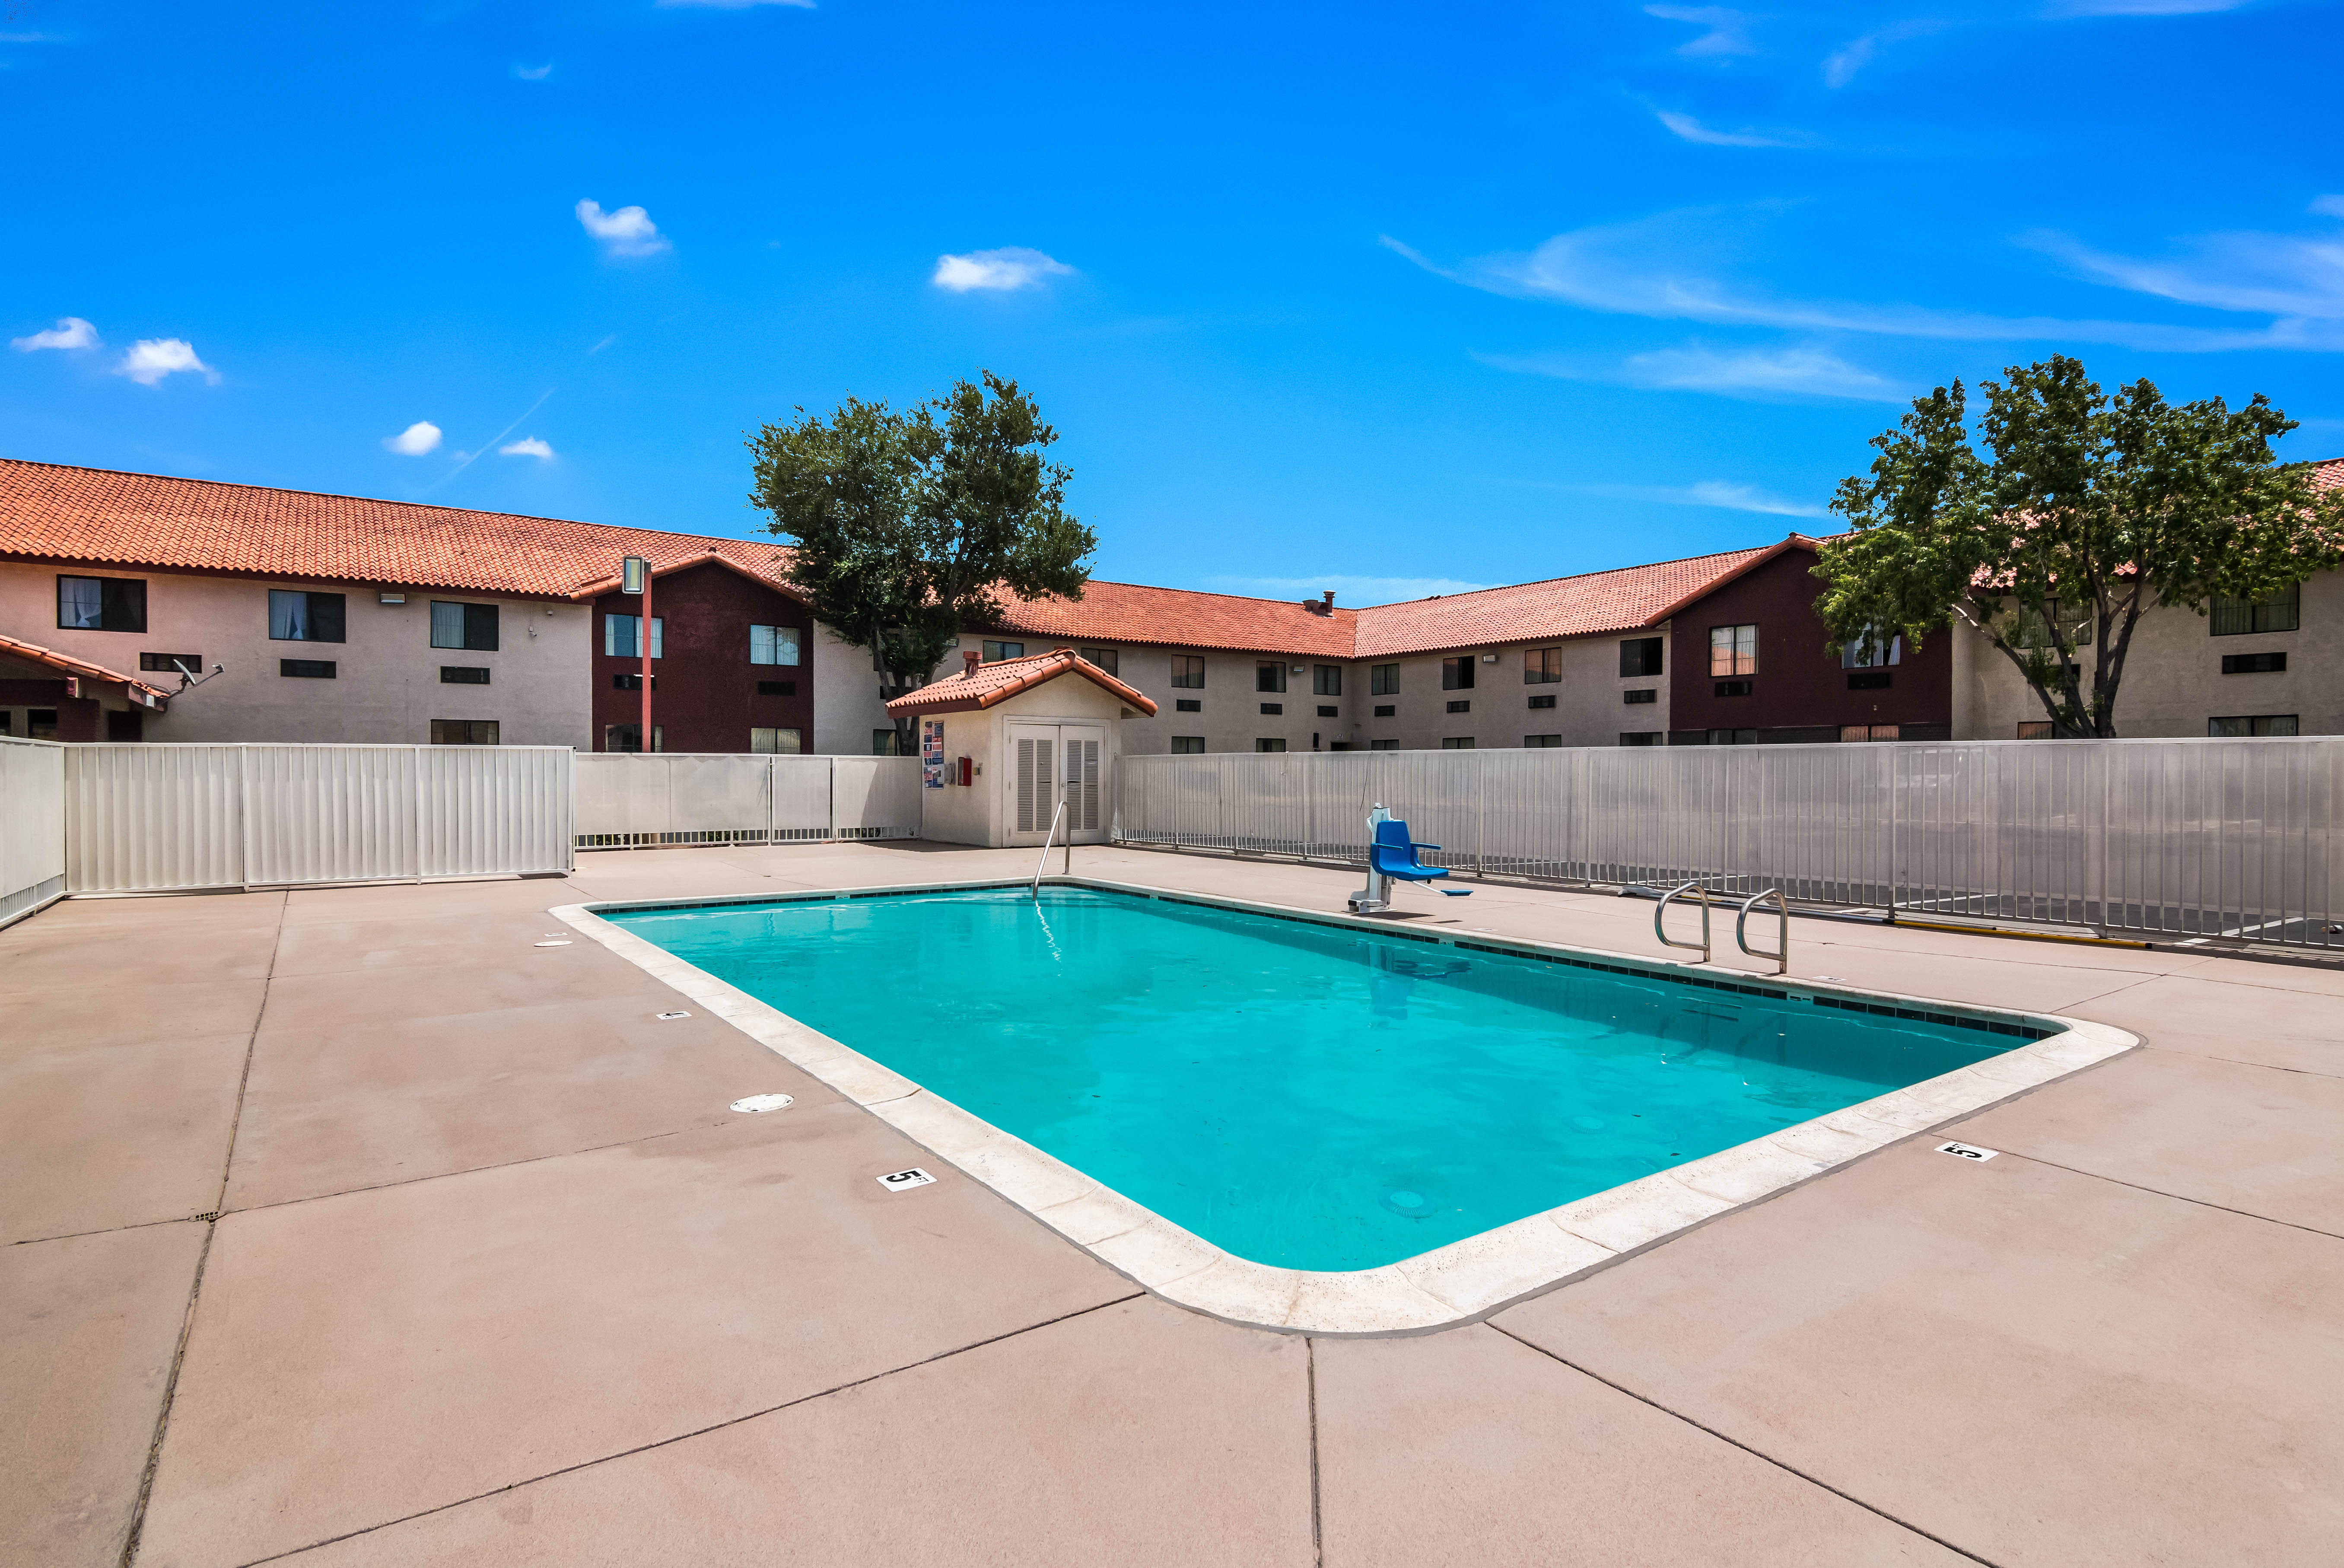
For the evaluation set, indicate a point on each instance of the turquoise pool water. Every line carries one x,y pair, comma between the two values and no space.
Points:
1302,1095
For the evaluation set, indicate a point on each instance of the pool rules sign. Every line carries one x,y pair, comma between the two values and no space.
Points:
932,753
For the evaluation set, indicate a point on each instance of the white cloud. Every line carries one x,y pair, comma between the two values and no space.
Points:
2142,7
527,447
1719,494
1728,30
727,4
1349,591
150,360
417,439
533,73
1667,267
1841,67
1011,268
70,332
1796,371
1692,130
629,231
2327,206
2299,281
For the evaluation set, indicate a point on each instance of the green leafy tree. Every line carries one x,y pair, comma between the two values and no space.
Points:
2082,512
907,525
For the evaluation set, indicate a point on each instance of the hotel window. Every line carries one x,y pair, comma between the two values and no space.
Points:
886,743
1269,677
1867,732
306,669
1456,742
463,675
1187,704
1278,709
1732,651
1187,746
2256,724
1734,688
778,743
188,664
1639,737
1538,743
41,724
1105,658
1541,666
2074,626
102,603
1461,705
468,626
1383,746
464,731
630,737
1642,695
1269,745
1383,681
765,688
1326,680
2254,663
993,653
2235,617
1330,711
1732,737
1542,700
1188,672
1640,656
632,682
295,616
2034,729
621,636
1387,709
773,644
1868,650
1456,675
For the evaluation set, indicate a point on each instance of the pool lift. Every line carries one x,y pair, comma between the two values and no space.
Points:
1392,858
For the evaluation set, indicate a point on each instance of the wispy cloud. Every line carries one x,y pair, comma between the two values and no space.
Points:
533,73
1669,267
2327,206
1004,270
2142,7
603,344
1841,65
629,231
70,332
1692,130
1762,373
527,447
150,360
1348,589
2298,279
416,439
1719,493
1728,30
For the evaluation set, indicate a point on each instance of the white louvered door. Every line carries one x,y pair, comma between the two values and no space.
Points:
1054,763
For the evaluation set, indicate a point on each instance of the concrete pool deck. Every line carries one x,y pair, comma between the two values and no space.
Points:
473,1264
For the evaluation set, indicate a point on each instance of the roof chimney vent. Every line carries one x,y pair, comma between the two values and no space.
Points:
970,658
1327,603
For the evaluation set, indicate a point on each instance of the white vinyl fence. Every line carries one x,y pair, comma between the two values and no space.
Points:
2171,837
32,825
149,818
627,800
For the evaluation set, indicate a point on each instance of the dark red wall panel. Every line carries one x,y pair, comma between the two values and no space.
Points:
705,697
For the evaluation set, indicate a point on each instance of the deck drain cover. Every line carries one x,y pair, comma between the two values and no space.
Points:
664,1016
760,1102
899,1180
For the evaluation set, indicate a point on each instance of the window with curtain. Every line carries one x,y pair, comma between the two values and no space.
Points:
464,731
1326,680
1456,675
993,653
2282,612
1541,666
1187,746
1734,649
778,743
102,603
297,616
1383,681
473,626
773,644
1188,672
1269,677
621,636
1106,658
1872,652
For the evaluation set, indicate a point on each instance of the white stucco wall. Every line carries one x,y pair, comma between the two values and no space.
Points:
983,813
386,685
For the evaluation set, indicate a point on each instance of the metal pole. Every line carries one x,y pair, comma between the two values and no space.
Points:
645,630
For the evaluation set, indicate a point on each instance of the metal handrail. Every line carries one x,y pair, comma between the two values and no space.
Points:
1781,955
1046,848
1661,910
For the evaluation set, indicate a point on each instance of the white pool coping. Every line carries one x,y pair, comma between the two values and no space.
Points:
1455,1283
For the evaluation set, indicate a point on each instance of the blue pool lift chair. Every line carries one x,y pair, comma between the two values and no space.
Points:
1393,855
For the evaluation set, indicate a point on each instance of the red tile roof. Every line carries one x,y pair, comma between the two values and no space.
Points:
986,685
1625,599
1178,618
136,689
51,512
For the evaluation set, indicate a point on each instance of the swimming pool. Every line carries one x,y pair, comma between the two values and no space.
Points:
1325,1096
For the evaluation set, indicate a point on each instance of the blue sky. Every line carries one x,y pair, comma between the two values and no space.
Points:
1376,298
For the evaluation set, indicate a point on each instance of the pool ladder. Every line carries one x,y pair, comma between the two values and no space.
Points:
1781,954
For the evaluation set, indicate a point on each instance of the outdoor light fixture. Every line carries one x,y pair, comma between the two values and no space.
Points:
632,571
635,577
